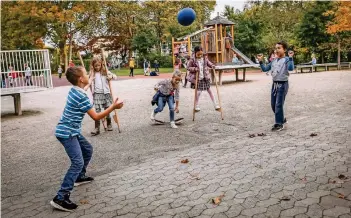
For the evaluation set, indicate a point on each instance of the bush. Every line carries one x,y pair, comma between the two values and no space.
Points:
163,61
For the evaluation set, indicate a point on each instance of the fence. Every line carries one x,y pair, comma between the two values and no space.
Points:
25,71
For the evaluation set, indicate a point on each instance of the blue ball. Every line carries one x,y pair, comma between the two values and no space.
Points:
186,16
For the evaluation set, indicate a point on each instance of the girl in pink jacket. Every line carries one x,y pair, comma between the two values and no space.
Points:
201,64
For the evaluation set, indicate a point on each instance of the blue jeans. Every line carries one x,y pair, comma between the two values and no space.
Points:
79,151
162,103
278,94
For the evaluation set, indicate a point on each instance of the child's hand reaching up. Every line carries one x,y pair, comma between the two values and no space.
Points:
117,105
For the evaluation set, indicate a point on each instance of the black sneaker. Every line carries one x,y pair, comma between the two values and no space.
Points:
83,180
65,205
278,127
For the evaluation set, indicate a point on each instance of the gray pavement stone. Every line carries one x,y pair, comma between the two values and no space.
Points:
253,174
337,211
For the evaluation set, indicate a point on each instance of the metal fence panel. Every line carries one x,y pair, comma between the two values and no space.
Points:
14,75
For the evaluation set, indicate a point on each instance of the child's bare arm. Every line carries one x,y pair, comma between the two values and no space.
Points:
98,116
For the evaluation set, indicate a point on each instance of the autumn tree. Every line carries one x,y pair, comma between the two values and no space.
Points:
340,26
20,29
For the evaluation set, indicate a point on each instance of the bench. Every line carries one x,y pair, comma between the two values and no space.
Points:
16,92
345,65
314,67
221,68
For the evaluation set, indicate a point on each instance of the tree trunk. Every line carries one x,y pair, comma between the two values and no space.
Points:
339,67
322,54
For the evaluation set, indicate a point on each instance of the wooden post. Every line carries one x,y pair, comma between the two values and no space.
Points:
236,74
189,46
173,57
206,39
244,72
216,42
222,43
232,32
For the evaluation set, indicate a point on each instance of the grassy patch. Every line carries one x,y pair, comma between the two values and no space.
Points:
138,71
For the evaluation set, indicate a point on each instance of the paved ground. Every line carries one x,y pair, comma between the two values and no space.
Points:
139,174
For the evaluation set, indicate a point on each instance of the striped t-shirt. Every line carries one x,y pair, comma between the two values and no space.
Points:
77,105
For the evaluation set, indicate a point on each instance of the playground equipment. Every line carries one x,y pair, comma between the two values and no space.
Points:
15,82
217,42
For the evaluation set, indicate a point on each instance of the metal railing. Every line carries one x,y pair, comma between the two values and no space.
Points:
25,71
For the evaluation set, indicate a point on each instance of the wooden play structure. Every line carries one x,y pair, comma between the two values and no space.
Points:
217,42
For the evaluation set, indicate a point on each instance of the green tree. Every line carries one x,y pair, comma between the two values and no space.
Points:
312,32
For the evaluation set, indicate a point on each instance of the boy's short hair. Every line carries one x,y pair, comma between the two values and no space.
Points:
73,73
284,44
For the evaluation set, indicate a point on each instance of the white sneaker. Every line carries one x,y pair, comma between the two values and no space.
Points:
197,108
217,107
173,125
152,117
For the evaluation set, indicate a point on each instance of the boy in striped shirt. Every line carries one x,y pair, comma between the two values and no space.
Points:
68,132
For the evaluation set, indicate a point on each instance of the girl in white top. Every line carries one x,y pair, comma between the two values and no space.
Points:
101,91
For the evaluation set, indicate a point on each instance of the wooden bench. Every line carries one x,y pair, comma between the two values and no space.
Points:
16,92
221,68
345,65
314,67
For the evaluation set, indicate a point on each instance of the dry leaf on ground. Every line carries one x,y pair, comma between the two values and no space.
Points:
217,200
184,161
313,134
341,196
84,201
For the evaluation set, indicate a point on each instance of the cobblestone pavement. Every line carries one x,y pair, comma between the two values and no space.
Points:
303,171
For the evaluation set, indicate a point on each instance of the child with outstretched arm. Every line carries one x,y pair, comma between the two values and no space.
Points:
279,68
68,132
167,92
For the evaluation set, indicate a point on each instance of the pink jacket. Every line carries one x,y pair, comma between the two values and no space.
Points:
193,68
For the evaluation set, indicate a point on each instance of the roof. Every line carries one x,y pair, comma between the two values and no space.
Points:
219,20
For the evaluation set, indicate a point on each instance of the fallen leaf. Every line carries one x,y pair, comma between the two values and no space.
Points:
313,134
252,135
341,196
184,161
342,177
285,198
261,134
84,201
217,200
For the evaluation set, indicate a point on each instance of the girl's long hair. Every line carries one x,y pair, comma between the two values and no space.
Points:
103,70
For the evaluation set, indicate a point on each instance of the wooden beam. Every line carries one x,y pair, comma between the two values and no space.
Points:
189,46
232,32
216,41
222,42
195,33
173,51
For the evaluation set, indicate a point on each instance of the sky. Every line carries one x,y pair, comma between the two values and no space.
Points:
221,3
